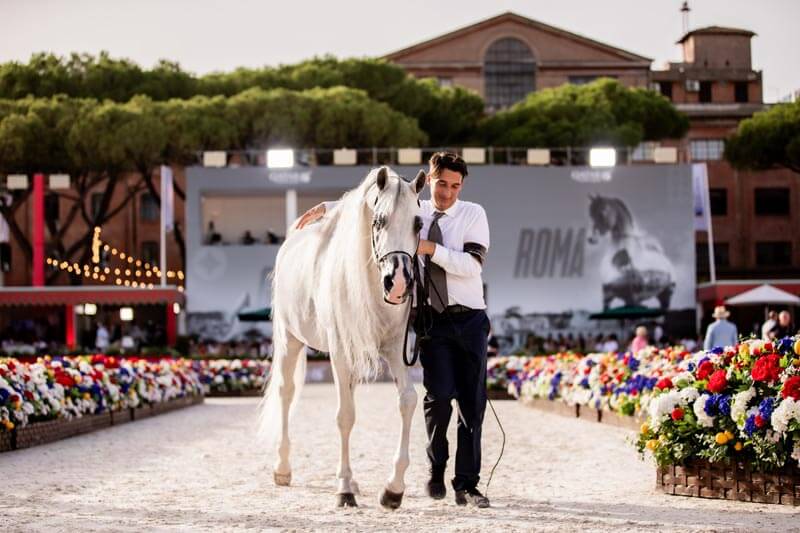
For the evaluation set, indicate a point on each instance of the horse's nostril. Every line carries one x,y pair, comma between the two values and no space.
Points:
387,283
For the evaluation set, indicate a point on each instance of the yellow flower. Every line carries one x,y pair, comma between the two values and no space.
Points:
744,350
86,396
652,444
738,446
797,346
721,438
645,428
78,378
8,424
729,434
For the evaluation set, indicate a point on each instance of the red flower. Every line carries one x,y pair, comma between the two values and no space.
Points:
768,347
791,389
28,395
759,421
705,369
717,382
766,368
664,383
677,414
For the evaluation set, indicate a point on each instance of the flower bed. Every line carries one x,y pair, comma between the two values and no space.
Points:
737,408
232,377
55,397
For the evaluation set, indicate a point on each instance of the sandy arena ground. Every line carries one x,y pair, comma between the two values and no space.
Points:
200,469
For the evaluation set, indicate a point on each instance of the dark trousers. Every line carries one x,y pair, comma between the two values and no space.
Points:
454,364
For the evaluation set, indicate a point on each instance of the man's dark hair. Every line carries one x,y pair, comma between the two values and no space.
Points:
450,161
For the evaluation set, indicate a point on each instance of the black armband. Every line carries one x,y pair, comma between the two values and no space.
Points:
475,250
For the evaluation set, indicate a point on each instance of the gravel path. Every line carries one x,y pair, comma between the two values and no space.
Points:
200,469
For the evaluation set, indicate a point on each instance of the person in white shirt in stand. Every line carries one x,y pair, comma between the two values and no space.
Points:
454,241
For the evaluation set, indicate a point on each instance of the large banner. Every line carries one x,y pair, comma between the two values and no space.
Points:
566,242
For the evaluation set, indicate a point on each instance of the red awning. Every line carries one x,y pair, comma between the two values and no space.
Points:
717,293
11,296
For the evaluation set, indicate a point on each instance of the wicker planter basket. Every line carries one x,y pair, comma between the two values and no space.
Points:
53,430
499,394
235,393
734,481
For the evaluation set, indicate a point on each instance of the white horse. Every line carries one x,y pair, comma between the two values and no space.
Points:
339,286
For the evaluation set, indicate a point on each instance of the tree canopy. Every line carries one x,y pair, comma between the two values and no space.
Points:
768,139
447,115
603,111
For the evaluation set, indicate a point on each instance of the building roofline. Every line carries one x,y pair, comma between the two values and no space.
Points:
716,30
508,15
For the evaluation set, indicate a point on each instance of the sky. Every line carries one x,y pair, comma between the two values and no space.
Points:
205,35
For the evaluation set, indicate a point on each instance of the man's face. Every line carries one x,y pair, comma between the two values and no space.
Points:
784,318
445,188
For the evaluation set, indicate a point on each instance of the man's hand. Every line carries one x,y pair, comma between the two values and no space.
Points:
312,215
426,247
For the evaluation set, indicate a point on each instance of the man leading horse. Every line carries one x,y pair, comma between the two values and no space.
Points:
453,341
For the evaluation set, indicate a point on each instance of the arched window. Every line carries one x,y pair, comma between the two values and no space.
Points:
509,71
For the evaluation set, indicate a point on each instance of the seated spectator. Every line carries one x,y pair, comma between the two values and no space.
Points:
248,238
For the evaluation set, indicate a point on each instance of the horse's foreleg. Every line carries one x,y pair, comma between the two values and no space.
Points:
283,470
392,495
345,418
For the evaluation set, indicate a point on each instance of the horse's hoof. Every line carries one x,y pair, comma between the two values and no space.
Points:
346,499
282,480
391,500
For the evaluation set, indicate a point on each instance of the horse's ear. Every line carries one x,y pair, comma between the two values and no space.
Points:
419,182
382,175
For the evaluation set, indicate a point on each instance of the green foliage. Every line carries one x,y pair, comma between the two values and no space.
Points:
768,139
603,111
448,115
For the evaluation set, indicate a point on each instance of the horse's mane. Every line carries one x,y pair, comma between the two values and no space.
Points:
346,299
625,224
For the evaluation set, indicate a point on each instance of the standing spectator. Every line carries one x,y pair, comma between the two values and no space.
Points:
101,338
611,344
769,325
721,332
784,326
639,341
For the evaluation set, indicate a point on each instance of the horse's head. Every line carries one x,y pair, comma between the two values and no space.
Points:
601,215
395,231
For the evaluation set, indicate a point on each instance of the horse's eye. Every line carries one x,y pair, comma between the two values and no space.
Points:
417,225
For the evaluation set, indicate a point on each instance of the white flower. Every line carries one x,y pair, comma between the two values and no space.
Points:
796,452
699,410
787,410
739,406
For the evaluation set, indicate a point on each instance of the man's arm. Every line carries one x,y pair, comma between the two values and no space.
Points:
315,213
469,261
707,341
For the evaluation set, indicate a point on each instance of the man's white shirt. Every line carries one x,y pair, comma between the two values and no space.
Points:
464,222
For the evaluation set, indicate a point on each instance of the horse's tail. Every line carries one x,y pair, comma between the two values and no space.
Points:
287,376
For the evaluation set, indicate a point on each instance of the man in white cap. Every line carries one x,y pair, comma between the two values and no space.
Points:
721,332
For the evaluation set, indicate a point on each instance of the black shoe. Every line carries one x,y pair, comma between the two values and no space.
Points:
472,497
435,487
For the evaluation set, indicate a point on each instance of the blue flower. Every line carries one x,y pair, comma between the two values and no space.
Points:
633,364
750,425
766,407
585,383
717,350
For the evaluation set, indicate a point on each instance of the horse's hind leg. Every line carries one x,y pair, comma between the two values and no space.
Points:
345,418
392,495
288,361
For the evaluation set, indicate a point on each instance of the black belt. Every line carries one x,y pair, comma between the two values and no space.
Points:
458,309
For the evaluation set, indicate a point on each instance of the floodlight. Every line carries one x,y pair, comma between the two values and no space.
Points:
280,158
602,157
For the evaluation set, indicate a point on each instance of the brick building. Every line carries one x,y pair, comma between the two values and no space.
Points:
503,58
755,214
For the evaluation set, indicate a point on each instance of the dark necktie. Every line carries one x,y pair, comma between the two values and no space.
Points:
438,277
